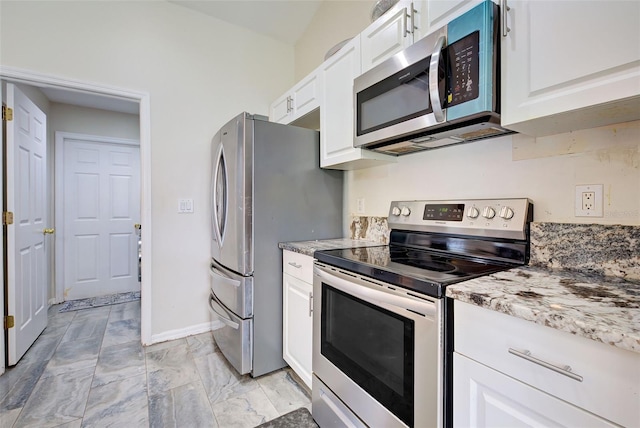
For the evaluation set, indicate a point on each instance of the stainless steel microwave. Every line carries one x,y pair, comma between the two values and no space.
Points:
443,89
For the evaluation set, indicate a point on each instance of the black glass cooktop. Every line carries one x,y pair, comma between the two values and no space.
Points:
423,271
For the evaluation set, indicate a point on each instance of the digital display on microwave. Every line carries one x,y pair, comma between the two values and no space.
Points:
463,69
443,212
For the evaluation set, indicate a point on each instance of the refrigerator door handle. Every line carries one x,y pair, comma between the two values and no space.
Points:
220,185
218,310
215,273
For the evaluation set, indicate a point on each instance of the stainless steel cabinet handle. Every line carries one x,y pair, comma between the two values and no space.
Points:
434,92
405,17
310,303
564,370
295,265
413,19
505,27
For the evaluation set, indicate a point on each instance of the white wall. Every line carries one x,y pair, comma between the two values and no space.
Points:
545,170
335,21
83,120
199,73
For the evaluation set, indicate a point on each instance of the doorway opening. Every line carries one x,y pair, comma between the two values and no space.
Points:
103,94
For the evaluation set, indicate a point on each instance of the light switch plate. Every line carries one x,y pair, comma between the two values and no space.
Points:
185,206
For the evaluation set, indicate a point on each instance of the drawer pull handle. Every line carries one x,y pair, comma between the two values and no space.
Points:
297,266
564,370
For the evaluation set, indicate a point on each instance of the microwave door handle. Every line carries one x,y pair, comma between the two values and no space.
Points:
434,92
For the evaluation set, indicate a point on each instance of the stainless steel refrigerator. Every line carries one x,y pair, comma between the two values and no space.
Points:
267,187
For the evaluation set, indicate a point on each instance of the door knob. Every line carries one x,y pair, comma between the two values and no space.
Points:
137,226
48,231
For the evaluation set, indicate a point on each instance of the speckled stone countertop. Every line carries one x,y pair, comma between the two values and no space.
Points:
583,279
309,247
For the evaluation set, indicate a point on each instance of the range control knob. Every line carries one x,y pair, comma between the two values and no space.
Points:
488,212
506,213
473,212
395,211
405,211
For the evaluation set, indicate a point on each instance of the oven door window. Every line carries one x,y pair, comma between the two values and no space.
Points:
374,347
399,97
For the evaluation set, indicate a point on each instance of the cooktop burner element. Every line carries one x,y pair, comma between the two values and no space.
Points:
436,243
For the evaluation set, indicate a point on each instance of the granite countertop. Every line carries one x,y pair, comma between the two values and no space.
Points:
601,308
309,247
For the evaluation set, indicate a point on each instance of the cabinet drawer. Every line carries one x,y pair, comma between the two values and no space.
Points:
298,265
602,379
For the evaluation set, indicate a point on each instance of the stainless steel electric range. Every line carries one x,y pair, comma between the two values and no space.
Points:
383,330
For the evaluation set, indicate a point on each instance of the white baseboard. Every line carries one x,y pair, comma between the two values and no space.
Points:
187,331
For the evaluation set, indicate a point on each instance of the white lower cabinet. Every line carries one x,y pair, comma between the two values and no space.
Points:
484,397
516,373
297,320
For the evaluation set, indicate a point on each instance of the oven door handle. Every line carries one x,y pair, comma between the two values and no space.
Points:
218,310
363,291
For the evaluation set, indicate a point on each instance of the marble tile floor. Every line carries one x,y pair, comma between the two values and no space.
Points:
88,369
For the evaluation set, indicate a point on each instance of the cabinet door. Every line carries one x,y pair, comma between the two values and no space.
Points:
297,326
563,70
388,35
435,14
483,397
306,96
280,109
336,112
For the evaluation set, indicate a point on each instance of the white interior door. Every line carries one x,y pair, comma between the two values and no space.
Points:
101,205
26,198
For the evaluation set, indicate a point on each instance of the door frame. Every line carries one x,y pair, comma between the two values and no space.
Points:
27,77
58,202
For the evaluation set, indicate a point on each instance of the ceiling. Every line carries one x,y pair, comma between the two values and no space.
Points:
284,21
84,99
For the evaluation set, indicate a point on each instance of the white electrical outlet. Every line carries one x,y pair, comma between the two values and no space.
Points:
589,200
360,205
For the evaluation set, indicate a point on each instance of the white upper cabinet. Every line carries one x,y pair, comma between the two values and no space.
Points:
406,23
299,101
569,65
337,115
437,13
388,35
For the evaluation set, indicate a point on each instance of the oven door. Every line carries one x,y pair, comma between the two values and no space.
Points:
378,348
